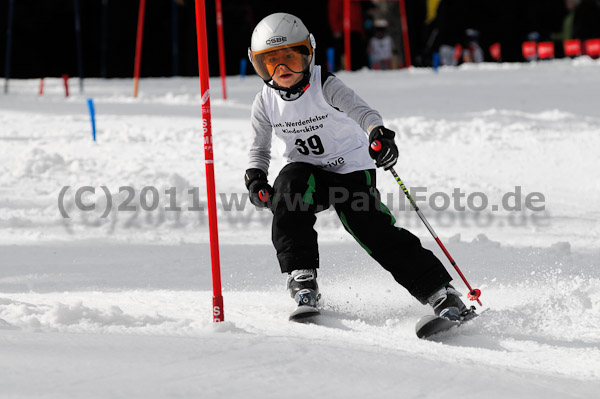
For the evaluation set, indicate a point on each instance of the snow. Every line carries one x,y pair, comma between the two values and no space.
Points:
120,306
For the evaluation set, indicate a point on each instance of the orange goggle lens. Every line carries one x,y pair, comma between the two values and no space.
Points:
291,58
295,58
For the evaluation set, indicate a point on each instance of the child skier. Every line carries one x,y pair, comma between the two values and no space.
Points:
330,163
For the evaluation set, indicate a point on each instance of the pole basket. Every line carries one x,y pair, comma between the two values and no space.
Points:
474,294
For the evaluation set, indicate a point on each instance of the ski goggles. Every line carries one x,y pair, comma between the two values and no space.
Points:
295,57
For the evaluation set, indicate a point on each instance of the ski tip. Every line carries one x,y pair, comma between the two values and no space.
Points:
304,314
430,325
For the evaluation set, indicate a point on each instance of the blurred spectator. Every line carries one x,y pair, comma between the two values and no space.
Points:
381,46
451,24
586,21
582,21
416,15
448,31
431,31
566,31
359,10
471,51
543,18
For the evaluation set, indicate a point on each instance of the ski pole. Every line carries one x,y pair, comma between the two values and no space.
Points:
473,294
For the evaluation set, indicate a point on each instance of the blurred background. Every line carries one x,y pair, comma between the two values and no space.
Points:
43,41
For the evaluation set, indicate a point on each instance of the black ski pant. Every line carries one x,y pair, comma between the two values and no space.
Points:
302,190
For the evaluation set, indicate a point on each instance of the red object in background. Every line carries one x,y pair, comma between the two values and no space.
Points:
592,48
138,47
495,51
345,16
352,20
529,50
346,25
337,17
66,82
405,40
458,49
545,50
221,42
41,86
572,47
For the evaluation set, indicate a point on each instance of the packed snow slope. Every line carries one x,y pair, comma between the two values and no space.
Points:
105,274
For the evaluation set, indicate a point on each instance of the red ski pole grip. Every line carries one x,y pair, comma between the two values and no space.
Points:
263,195
376,145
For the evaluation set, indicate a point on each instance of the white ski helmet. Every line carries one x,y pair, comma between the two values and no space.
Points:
277,32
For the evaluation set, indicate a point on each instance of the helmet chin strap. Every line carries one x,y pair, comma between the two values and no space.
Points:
294,92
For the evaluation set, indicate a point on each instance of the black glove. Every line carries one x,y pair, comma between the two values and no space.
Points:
261,193
382,147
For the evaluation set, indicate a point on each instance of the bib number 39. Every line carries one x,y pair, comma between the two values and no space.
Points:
312,144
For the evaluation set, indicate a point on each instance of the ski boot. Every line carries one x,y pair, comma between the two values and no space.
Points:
447,304
302,286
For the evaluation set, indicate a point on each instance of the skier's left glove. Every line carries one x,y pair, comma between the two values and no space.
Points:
261,192
382,147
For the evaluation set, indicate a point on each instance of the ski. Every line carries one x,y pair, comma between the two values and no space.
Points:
430,325
304,314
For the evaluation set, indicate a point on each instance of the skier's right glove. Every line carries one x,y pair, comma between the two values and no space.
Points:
261,192
382,147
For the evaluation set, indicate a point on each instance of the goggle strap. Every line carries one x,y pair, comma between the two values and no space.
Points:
306,42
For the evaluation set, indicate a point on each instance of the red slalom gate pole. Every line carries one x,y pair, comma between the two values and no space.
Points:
65,78
138,47
406,42
218,314
347,56
221,48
